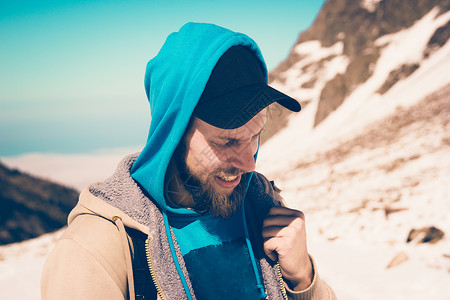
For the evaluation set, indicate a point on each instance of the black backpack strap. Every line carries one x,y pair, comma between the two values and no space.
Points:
143,284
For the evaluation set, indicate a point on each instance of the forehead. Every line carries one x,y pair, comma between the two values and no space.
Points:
248,130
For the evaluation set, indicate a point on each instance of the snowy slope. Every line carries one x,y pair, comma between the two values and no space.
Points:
21,266
73,170
376,168
363,105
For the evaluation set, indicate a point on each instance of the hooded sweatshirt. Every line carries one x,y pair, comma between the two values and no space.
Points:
174,81
92,260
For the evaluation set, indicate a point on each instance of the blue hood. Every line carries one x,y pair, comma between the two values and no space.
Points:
174,82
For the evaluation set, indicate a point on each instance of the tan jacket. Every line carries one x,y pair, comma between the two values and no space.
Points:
92,259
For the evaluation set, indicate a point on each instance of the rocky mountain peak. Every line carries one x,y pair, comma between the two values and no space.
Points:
359,23
341,49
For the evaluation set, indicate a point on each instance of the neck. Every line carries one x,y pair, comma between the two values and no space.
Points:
175,191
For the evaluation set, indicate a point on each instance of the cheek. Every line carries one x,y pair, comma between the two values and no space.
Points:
201,158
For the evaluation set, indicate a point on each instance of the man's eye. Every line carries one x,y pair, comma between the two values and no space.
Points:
230,143
225,145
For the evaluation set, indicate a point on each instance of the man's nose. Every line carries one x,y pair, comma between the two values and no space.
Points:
243,157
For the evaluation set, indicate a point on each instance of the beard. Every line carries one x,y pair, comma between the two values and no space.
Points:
206,198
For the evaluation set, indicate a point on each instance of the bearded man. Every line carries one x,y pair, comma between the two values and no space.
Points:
190,203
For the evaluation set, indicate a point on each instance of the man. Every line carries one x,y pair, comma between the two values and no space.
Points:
213,228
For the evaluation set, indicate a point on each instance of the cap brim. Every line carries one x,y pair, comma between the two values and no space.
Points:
235,108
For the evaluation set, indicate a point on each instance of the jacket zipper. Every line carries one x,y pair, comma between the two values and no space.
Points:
152,272
281,282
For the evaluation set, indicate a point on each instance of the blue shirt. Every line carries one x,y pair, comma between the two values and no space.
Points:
216,256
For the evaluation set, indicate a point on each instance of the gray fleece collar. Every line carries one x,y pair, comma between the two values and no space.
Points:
122,191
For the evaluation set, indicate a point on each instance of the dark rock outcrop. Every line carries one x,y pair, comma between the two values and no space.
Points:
430,234
30,206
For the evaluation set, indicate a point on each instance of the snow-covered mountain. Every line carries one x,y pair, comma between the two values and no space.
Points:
381,87
353,42
369,154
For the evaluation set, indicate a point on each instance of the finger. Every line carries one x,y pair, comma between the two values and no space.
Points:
271,232
282,216
284,221
277,220
278,232
273,255
285,211
270,250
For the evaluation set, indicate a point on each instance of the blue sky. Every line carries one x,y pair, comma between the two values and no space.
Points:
71,72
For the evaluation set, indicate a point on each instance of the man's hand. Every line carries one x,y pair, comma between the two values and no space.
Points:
284,237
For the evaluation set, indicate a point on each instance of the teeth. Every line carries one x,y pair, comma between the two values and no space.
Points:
226,178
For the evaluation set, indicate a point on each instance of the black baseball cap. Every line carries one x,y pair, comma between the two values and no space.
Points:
237,90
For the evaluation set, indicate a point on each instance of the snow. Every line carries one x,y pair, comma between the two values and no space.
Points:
312,52
70,169
315,51
21,265
363,105
362,180
347,197
357,271
345,202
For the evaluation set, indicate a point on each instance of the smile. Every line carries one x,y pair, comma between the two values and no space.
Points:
227,181
227,177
